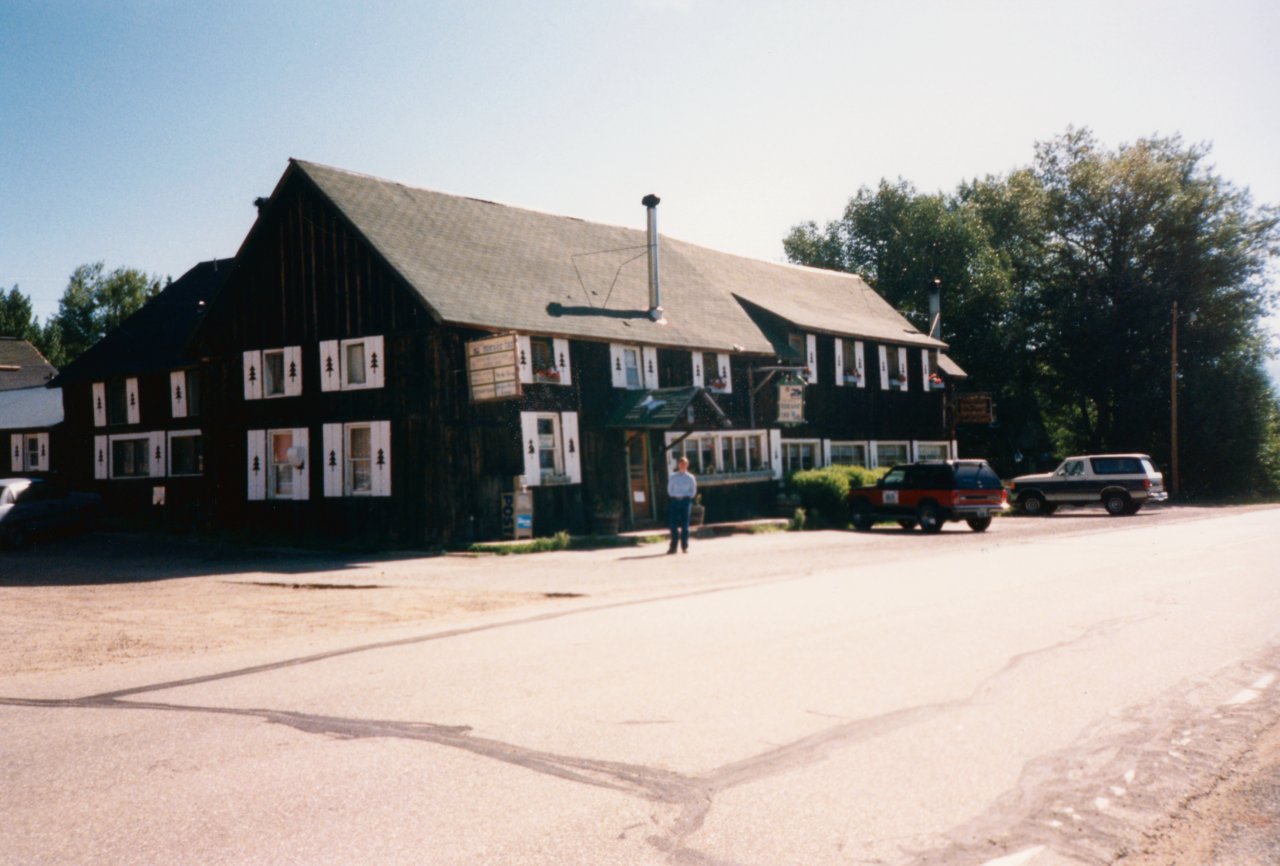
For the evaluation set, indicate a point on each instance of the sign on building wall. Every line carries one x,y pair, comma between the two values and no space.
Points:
974,409
791,404
493,368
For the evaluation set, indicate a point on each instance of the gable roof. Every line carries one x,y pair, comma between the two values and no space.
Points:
22,365
155,337
497,267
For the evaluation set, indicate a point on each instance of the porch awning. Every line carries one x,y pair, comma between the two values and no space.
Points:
663,409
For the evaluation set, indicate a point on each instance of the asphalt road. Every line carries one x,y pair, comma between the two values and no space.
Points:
1044,693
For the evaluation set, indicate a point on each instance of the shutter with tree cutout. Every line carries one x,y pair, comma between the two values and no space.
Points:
560,346
253,375
572,447
99,404
256,464
381,441
131,396
333,459
178,393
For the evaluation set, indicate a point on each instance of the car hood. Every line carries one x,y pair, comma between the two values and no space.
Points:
1027,479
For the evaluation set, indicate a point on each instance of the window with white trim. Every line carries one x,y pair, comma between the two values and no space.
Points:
849,454
852,366
279,467
799,454
551,452
131,456
722,455
891,453
356,458
272,373
543,353
897,369
631,368
932,452
186,452
358,480
362,363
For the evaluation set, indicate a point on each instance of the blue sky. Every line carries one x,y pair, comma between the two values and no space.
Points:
139,133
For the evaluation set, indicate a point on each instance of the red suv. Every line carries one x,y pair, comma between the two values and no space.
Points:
930,494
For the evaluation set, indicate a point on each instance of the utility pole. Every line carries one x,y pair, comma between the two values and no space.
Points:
1173,405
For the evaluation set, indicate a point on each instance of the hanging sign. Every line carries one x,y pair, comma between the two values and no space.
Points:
974,409
791,404
492,368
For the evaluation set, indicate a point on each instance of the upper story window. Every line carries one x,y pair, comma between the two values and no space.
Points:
633,367
806,346
711,371
184,393
545,368
116,402
353,364
850,363
273,373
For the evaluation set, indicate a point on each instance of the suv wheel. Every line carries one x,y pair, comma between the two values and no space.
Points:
930,519
861,516
979,524
1116,504
1032,504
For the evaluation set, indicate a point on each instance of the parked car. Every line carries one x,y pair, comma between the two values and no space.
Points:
1120,483
930,494
32,506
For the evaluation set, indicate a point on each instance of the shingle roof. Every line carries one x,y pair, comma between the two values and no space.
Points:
155,337
498,267
22,365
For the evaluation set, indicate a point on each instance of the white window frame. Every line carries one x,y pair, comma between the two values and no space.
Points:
334,465
21,444
146,438
271,466
565,445
788,444
349,459
850,366
559,373
722,374
944,445
692,446
374,363
877,444
843,443
184,434
255,373
619,353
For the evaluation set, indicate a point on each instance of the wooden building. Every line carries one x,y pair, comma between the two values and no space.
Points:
384,363
30,411
135,410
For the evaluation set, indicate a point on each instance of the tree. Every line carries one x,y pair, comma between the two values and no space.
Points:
94,303
16,316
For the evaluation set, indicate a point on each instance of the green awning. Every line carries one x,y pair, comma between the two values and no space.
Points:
661,409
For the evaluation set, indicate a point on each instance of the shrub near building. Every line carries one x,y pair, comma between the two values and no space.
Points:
824,493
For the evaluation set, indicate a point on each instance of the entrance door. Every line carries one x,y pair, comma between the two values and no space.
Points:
638,475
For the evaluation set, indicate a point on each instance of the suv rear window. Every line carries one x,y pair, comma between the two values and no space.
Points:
1116,465
977,476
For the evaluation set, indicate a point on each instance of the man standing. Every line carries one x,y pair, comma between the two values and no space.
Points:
682,486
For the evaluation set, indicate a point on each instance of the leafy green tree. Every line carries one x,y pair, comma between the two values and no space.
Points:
94,303
16,318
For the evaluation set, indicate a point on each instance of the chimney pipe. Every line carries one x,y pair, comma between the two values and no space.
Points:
935,309
655,294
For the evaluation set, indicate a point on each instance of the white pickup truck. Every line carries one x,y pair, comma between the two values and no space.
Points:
1121,483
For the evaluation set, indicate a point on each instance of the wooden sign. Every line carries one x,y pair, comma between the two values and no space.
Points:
492,368
791,404
974,409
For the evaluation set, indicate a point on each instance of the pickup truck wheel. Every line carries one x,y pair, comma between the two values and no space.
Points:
1116,504
930,519
861,516
907,524
1032,504
979,524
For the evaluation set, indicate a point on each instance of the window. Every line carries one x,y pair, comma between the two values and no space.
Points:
1072,468
130,457
33,453
1117,465
359,469
892,453
932,452
117,402
849,453
273,374
800,454
550,455
631,366
897,370
543,352
279,469
851,363
722,454
193,392
186,453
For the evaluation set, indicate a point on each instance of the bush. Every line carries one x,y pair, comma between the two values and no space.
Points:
824,493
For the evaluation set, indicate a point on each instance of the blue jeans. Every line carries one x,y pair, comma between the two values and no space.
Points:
678,513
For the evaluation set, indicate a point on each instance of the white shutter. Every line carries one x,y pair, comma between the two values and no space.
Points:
253,375
99,456
839,361
902,368
649,375
99,404
333,458
301,475
157,466
529,449
42,456
924,369
524,358
725,373
695,360
826,452
572,446
873,454
178,393
617,372
859,352
330,366
884,368
376,359
15,460
811,357
292,371
131,395
560,346
380,434
775,452
256,464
